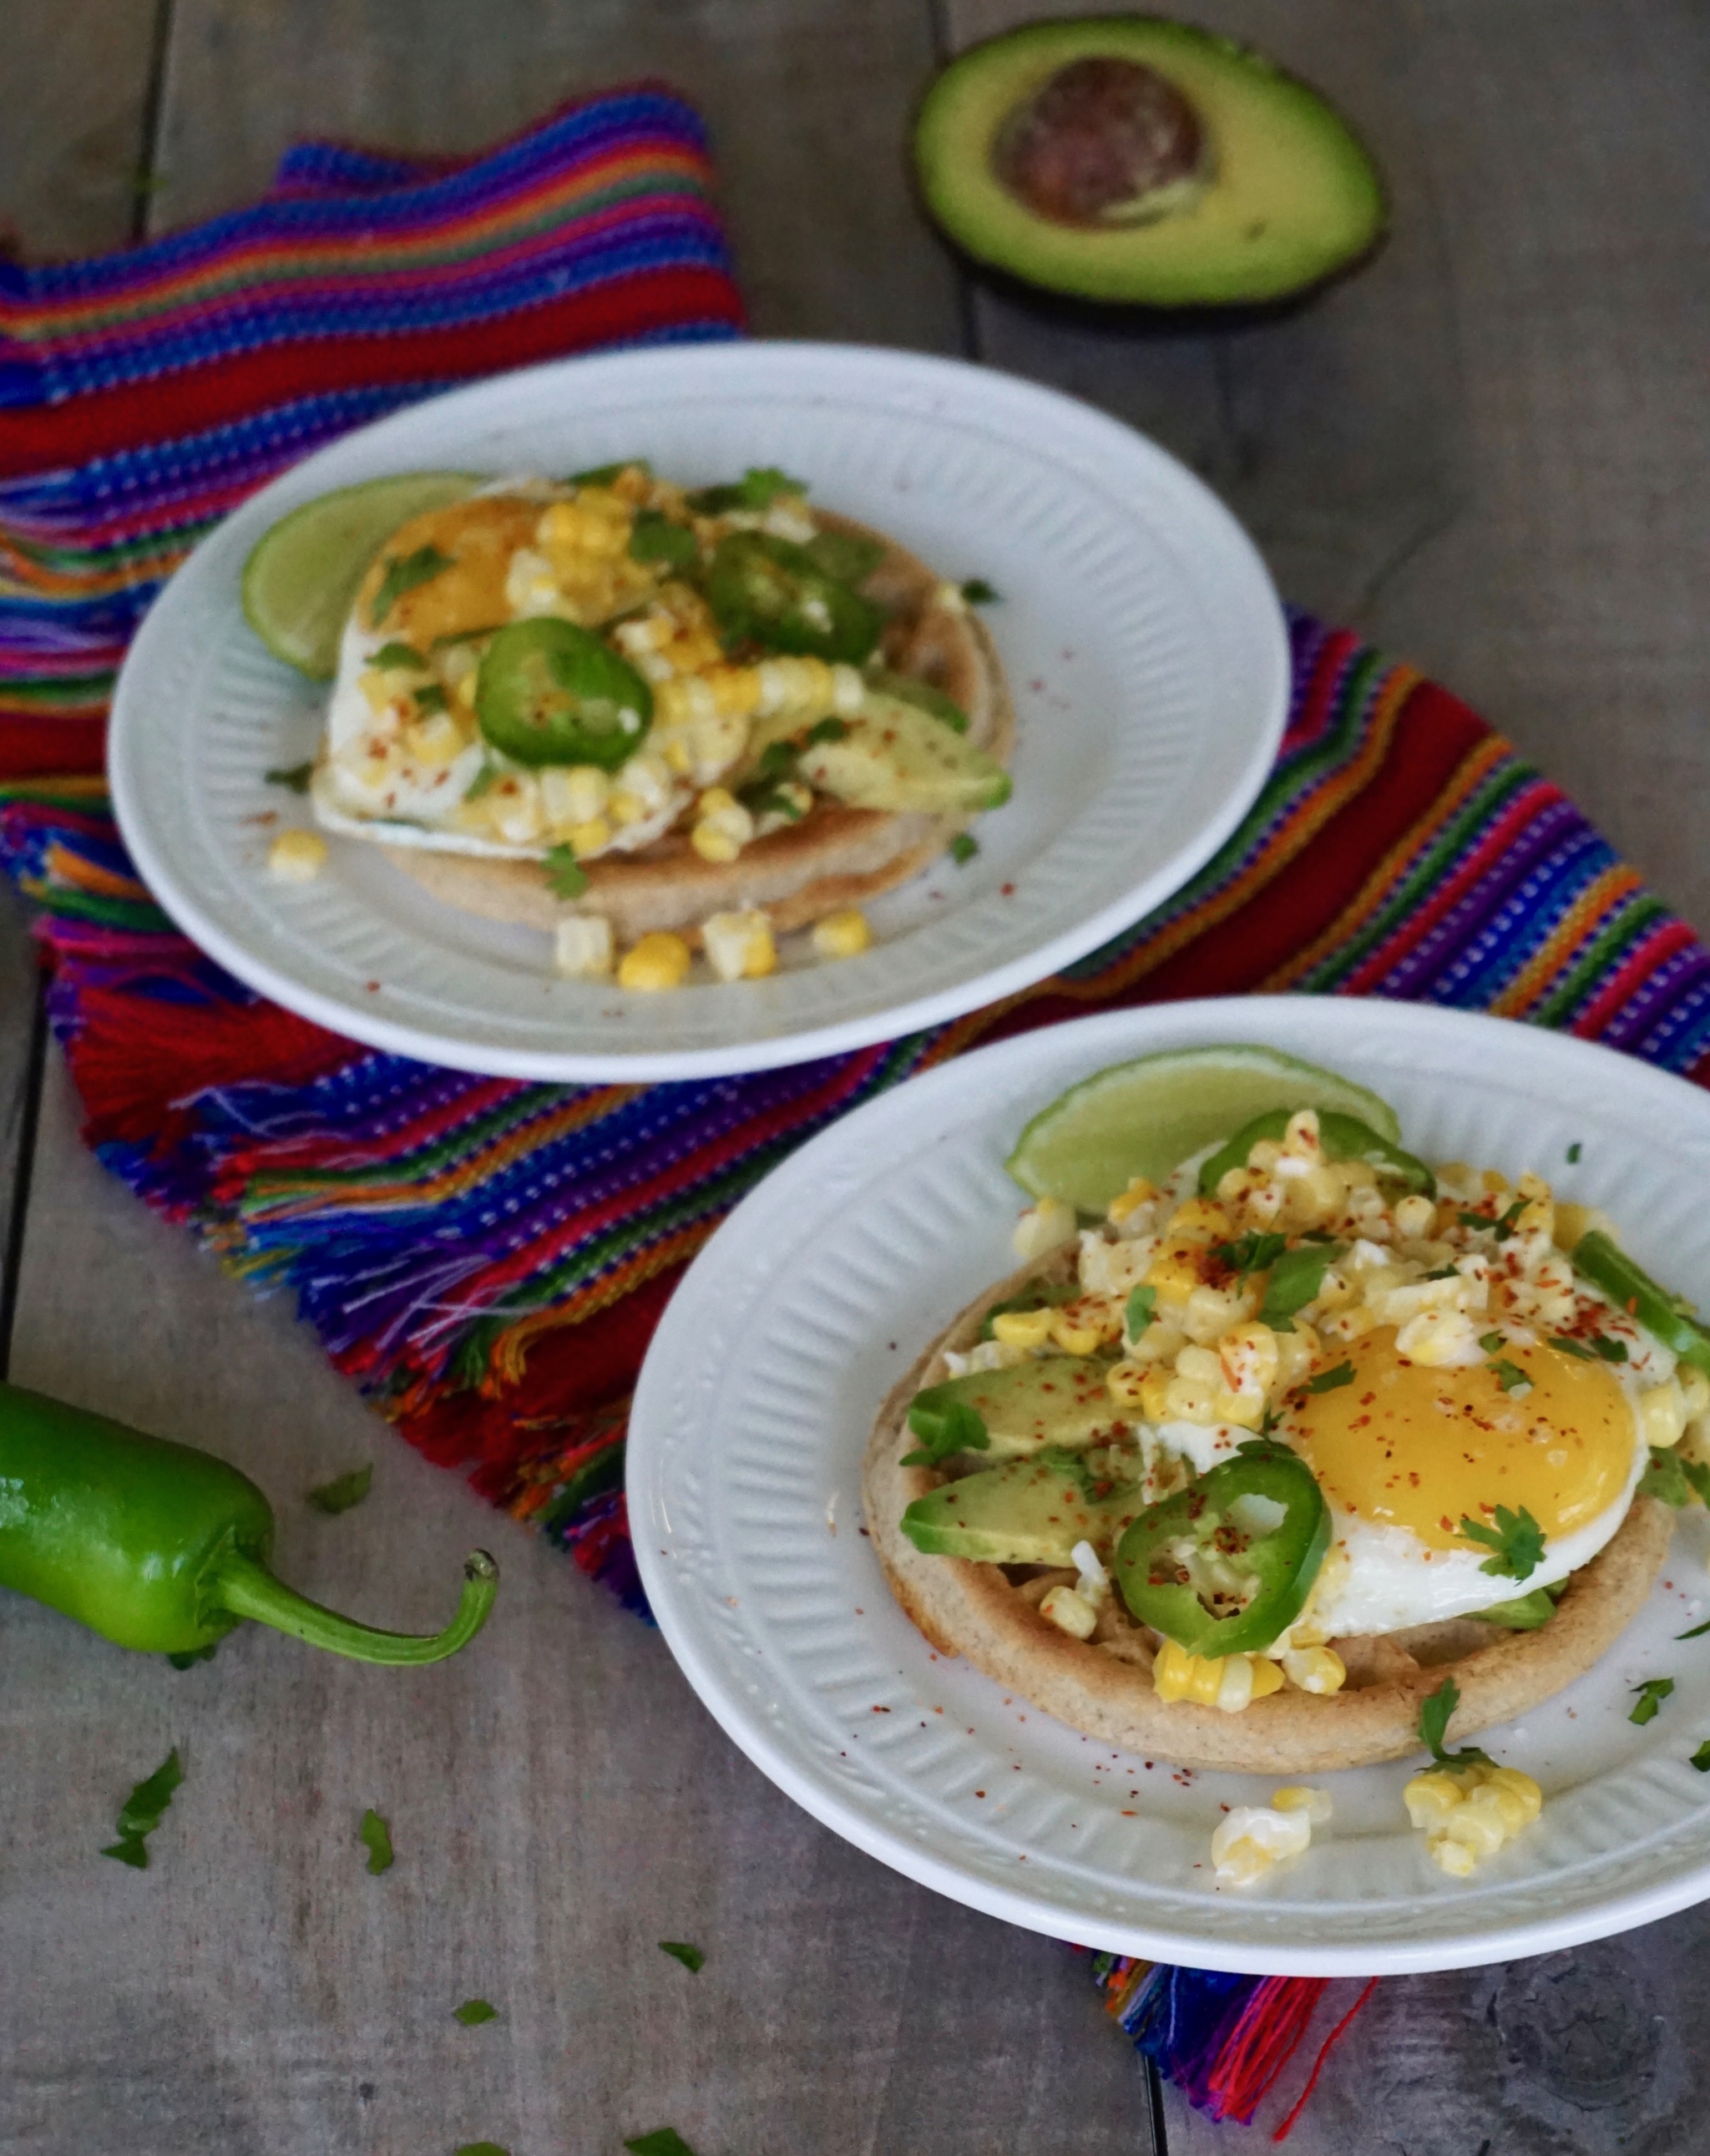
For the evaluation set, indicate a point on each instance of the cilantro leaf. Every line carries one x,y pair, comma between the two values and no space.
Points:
1490,1341
824,730
759,488
1665,1478
483,781
666,2142
962,849
1516,1538
565,874
1701,1758
429,698
1574,1153
473,2011
1474,1219
654,537
1698,1631
1651,1692
343,1491
979,593
1297,1279
295,776
399,654
403,573
1510,1221
1508,1375
1251,1253
376,1837
1577,1349
1610,1349
1434,1715
142,1812
1137,1315
945,1425
773,801
1330,1381
691,1958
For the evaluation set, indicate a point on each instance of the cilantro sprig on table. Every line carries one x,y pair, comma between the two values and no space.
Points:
473,2011
1434,1715
1516,1538
376,1837
691,1958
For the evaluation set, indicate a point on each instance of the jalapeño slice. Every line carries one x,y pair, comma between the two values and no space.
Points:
1631,1288
1344,1137
550,692
1250,1535
774,593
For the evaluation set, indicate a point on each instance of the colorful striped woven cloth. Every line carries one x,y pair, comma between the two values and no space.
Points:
487,1259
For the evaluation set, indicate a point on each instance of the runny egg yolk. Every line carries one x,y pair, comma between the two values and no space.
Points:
1410,1446
477,538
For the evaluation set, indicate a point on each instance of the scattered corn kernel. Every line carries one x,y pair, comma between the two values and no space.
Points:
1042,1228
740,945
1254,1838
844,935
1469,1814
1070,1611
1314,1802
583,947
297,856
659,960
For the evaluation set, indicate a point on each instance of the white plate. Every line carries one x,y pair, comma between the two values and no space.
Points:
745,1451
1143,640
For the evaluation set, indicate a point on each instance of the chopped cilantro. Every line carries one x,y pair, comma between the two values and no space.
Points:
963,848
429,699
295,776
397,654
1698,1631
1435,1714
1510,1221
376,1837
691,1958
1442,1272
824,730
1508,1375
1297,1278
1665,1479
603,475
666,2142
343,1491
1251,1253
1701,1758
1610,1349
483,782
1330,1381
1474,1219
1142,1303
1490,1341
565,874
654,538
1577,1349
403,573
772,801
945,1426
1651,1692
142,1812
759,488
979,593
1573,1152
1516,1538
473,2011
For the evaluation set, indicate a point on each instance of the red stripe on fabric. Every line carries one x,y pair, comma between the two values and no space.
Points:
1654,952
39,749
1319,702
105,421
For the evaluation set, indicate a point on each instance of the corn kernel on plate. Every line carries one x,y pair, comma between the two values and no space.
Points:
1141,640
745,1481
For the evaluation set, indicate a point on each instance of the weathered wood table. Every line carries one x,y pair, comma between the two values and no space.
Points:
1487,452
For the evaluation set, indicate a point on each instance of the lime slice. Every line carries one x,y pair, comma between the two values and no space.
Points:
300,582
1145,1117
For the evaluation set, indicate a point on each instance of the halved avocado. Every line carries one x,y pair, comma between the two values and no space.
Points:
1128,158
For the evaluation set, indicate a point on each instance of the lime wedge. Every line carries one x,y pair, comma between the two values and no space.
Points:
1145,1117
301,581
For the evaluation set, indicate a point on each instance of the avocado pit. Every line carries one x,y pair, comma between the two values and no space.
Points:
1103,142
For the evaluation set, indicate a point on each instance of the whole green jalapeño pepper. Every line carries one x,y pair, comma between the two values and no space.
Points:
1251,1535
1344,1137
159,1546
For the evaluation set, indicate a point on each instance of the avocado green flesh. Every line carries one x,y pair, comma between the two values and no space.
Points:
1058,1400
895,756
1293,195
1028,1512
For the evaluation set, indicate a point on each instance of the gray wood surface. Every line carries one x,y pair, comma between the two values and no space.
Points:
1487,450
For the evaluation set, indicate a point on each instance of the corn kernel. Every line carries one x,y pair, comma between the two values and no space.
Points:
1471,1814
1069,1612
575,795
740,945
1042,1228
435,739
1126,1383
590,838
1177,1675
583,947
1126,1202
1199,1222
297,856
844,935
1023,1328
1316,1804
1254,1838
1695,1390
513,806
1073,1338
1415,1216
1662,1414
659,960
1155,1394
1316,1669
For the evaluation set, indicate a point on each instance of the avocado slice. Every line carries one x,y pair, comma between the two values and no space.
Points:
1059,1401
1028,1512
895,756
1130,159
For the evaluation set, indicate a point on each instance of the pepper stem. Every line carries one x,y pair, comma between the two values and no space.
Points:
248,1589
